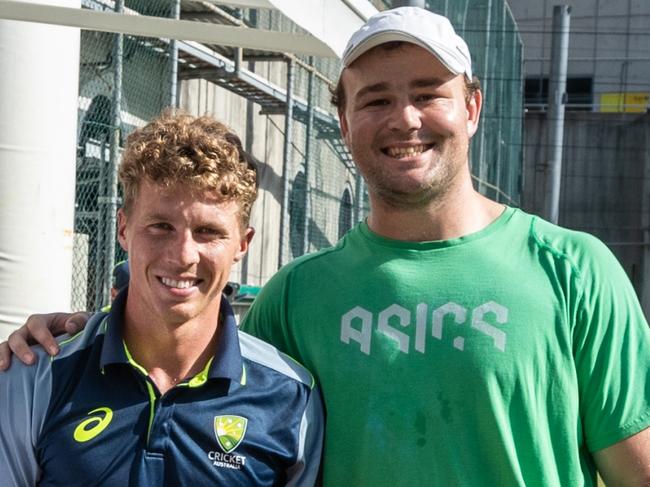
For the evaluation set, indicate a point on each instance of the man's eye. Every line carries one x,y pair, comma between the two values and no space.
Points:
425,97
377,102
161,226
208,231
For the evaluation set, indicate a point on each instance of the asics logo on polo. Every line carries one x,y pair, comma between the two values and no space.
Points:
91,427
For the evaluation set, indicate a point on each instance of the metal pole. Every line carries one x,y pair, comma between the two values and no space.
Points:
173,59
238,52
557,99
250,131
645,222
358,190
482,170
250,135
286,159
111,202
625,65
308,136
97,254
408,3
501,111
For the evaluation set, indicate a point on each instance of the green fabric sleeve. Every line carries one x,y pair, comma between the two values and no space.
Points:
266,318
611,350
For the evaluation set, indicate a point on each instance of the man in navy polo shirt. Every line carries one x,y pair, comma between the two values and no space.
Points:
163,389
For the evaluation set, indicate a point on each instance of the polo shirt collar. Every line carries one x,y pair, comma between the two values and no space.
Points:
113,347
227,362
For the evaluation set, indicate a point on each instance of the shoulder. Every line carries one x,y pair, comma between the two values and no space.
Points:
323,257
310,264
21,376
563,240
587,269
582,251
266,355
34,379
71,345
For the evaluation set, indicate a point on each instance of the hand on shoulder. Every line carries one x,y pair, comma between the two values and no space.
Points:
39,329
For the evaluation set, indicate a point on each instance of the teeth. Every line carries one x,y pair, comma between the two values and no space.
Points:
178,284
406,151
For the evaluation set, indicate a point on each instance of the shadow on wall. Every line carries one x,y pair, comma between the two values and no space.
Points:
268,179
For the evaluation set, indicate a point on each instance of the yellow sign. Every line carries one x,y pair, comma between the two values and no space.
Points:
630,102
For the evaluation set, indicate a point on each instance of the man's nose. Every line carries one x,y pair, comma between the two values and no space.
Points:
405,117
186,249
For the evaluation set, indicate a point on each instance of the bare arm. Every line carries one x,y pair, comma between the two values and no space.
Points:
626,463
39,329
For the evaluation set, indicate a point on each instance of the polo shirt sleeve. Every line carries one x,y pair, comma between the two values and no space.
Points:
24,398
306,470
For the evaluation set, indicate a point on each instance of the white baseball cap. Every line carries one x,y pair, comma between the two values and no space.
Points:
418,26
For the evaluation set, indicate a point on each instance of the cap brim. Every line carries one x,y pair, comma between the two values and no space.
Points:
440,52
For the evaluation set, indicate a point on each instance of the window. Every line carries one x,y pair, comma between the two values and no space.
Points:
345,213
297,215
579,93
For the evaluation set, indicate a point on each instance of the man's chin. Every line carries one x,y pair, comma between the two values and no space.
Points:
178,314
411,196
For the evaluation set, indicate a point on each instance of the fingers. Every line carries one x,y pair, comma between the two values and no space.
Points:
5,356
17,342
38,331
76,322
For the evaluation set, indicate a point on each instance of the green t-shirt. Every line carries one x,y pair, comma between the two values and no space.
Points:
500,358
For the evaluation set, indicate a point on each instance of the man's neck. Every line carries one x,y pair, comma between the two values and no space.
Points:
455,214
171,354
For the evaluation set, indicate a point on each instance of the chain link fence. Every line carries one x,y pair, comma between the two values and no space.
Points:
125,81
323,183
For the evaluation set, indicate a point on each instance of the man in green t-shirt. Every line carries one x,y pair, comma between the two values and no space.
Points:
456,341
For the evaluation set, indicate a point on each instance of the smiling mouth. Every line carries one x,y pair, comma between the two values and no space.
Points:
180,283
411,151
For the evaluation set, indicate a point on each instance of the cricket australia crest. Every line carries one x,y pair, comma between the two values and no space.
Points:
230,431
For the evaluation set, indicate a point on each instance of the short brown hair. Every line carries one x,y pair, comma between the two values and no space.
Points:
337,92
200,152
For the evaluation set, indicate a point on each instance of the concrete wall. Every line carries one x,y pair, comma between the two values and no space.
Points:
608,41
265,140
605,171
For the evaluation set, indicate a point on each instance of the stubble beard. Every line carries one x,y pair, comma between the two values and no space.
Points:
439,182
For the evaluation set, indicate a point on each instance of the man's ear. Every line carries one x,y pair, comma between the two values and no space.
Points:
121,229
474,106
344,125
244,243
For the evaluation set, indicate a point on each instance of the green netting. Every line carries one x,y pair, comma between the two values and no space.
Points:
326,196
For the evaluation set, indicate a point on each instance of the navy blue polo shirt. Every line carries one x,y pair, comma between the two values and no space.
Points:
92,416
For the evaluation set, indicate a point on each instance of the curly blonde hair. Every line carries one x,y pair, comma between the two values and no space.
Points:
200,152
